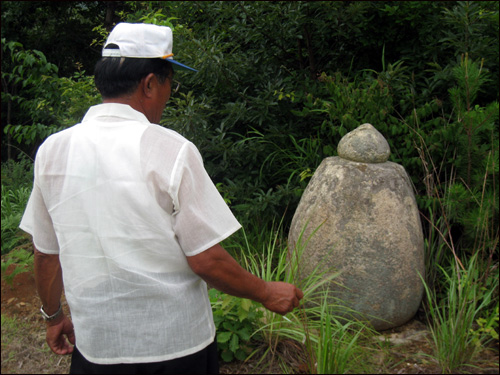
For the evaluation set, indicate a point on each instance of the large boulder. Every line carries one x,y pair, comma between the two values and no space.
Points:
368,228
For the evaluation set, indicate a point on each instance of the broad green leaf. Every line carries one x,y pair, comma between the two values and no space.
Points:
223,337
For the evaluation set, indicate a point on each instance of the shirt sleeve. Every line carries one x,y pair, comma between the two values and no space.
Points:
37,222
201,218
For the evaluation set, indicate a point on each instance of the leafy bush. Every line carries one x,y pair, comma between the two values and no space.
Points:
461,190
29,94
38,103
235,321
487,328
17,179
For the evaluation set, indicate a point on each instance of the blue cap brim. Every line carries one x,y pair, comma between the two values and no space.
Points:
181,66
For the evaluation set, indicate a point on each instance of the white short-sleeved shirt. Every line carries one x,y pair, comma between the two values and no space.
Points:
123,202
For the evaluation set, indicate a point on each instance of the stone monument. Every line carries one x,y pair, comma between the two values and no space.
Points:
368,228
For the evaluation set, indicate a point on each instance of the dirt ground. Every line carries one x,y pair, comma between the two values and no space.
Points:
24,350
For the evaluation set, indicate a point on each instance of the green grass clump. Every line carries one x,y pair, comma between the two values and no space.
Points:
454,316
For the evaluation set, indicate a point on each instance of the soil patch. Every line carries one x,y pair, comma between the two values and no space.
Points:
24,350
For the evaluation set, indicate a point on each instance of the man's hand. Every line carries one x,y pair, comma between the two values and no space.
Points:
220,270
56,332
49,284
282,297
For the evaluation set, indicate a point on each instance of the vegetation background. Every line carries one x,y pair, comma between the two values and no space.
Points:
279,84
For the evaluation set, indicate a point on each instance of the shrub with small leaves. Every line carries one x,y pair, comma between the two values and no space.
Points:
235,322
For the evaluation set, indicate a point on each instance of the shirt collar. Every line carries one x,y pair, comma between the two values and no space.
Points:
123,111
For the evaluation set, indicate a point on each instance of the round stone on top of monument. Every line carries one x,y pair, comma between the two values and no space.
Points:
358,216
365,144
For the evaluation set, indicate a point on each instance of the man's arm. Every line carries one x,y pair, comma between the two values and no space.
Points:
49,284
220,270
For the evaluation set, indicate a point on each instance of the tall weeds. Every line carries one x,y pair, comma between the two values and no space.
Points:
13,204
453,316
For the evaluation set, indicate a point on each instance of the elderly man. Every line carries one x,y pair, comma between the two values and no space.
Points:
125,217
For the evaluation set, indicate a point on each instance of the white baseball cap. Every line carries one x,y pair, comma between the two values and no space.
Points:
141,40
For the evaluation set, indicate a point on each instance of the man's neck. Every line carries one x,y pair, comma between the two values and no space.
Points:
130,100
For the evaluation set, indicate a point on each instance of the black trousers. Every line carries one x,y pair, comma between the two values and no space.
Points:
203,362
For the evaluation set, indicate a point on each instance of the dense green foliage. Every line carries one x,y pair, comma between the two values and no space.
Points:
64,31
279,84
235,322
17,179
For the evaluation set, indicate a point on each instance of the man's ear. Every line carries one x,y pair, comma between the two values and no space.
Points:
147,84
